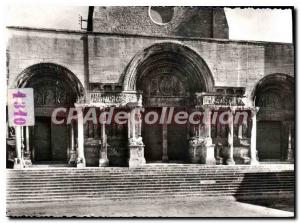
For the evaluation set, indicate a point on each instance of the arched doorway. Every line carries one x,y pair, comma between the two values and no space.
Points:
168,74
53,86
274,95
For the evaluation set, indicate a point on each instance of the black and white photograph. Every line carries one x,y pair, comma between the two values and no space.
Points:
150,111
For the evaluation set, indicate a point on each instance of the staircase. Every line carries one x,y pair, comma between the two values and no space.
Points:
150,181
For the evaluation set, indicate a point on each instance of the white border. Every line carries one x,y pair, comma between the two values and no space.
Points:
3,39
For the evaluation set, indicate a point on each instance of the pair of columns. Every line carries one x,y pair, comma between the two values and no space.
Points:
253,151
22,151
135,140
209,157
136,145
80,160
202,139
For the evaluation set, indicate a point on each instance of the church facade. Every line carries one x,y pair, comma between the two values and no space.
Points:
141,60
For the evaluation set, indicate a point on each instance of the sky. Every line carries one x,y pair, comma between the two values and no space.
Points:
274,25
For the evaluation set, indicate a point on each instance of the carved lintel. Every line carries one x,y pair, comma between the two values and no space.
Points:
115,99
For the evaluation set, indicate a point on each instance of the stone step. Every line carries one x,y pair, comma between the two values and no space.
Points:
156,181
87,191
169,167
156,195
24,176
144,173
47,185
145,184
150,191
50,184
126,170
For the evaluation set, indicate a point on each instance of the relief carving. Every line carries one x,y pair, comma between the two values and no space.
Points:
165,85
49,94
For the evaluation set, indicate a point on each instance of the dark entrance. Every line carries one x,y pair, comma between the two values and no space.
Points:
176,139
269,140
42,139
53,87
50,141
169,75
152,138
274,95
177,142
165,87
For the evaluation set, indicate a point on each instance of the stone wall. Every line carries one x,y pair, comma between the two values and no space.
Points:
179,21
105,57
27,47
232,63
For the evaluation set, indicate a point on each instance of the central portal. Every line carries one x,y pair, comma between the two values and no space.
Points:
168,74
165,141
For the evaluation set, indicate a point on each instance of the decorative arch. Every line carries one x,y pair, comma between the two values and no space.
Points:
50,71
195,69
276,87
274,95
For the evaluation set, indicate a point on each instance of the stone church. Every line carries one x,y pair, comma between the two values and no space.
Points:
139,59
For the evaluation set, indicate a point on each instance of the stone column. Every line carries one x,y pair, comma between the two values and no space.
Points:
72,159
290,154
165,142
195,140
230,160
135,141
253,152
80,140
18,163
22,141
240,131
27,152
210,148
103,161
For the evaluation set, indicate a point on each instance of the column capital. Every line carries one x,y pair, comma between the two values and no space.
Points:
80,143
254,111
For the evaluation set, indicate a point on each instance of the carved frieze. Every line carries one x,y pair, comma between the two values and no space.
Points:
117,99
219,100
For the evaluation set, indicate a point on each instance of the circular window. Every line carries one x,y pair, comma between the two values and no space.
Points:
161,14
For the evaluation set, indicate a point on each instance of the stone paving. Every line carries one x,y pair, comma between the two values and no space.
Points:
148,208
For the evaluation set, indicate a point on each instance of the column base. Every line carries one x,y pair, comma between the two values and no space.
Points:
72,160
290,157
210,155
27,159
165,158
103,162
18,163
230,161
136,152
80,162
195,146
254,162
27,163
136,163
137,158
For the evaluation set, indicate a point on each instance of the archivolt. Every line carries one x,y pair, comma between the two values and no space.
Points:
49,70
196,71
